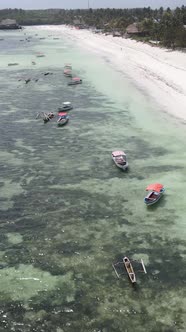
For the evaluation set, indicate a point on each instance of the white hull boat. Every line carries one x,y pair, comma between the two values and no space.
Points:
120,159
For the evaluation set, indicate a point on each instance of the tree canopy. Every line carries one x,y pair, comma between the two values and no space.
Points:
167,26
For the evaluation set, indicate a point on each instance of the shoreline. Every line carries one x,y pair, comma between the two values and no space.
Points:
159,73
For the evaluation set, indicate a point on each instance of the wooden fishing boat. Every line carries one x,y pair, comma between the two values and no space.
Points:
47,117
155,192
75,81
129,269
120,159
66,106
63,118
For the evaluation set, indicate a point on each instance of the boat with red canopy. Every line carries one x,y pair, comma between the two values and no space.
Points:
62,118
155,192
67,72
120,159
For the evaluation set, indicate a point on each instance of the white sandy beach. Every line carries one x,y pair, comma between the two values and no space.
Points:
160,73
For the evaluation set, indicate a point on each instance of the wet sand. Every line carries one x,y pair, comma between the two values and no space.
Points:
159,72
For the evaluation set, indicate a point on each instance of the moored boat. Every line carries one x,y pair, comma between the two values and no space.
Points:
48,117
67,72
75,81
129,269
67,106
13,64
40,55
68,66
63,118
120,159
155,192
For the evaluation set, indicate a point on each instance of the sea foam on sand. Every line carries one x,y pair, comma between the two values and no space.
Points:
159,72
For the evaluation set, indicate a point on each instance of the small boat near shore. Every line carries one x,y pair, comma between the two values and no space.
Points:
66,106
68,66
67,72
129,269
63,118
120,159
75,81
45,116
155,192
13,64
40,55
48,117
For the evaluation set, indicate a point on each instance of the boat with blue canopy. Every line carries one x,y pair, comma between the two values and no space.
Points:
63,118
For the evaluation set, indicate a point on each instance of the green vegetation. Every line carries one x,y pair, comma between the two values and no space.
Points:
167,26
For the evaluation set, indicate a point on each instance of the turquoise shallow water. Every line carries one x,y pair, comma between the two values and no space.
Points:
67,212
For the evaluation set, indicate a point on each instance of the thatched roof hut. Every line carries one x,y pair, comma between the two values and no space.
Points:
77,21
9,24
133,29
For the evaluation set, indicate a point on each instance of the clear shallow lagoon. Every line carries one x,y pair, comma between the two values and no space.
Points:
67,212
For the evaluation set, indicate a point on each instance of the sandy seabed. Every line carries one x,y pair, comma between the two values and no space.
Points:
67,212
159,72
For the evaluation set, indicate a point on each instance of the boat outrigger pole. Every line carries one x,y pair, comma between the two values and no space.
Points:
113,265
129,268
143,265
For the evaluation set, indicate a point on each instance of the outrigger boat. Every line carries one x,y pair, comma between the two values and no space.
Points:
63,118
46,116
75,81
155,192
129,269
67,106
120,159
